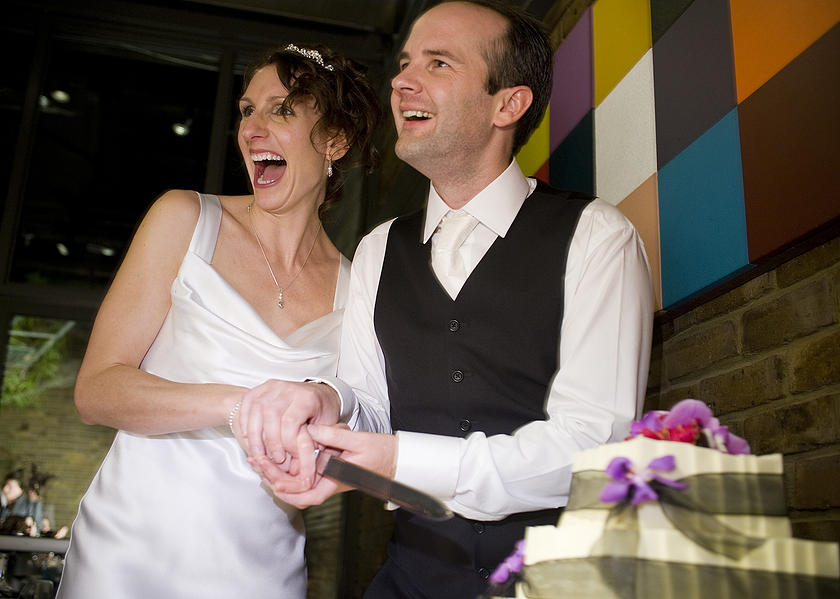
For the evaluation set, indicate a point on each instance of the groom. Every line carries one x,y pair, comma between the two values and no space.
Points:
499,331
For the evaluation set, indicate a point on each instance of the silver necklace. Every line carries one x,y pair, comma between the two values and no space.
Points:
280,301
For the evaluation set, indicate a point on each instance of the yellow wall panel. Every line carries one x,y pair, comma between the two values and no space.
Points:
621,35
535,152
768,34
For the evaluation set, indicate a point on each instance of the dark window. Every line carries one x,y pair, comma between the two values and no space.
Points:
15,64
106,147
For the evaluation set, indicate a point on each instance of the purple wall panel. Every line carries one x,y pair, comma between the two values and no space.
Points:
573,90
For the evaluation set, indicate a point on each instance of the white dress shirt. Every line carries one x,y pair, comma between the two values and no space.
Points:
597,390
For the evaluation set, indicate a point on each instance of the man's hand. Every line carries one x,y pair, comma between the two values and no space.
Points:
374,451
274,418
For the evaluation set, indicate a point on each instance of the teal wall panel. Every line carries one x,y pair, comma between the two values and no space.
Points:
701,213
572,163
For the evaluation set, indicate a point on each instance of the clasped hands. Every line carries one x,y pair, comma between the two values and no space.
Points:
281,424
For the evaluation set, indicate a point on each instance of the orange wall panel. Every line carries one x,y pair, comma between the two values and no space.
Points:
768,34
642,209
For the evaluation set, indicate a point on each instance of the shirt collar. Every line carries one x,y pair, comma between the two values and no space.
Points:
495,206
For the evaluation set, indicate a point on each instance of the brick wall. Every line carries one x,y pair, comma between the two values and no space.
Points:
766,357
50,435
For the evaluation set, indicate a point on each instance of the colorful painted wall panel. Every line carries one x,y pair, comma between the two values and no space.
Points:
694,88
768,34
621,35
724,132
701,213
572,163
533,154
625,134
663,13
790,140
573,87
642,208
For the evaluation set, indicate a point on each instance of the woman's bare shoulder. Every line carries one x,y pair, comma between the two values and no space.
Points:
177,203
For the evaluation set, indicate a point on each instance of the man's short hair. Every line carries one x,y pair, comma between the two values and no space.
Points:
522,56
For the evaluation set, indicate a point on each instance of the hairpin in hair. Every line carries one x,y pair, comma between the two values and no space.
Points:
310,54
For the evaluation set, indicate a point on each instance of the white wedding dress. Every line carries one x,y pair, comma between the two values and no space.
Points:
183,516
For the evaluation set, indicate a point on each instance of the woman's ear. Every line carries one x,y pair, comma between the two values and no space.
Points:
515,102
337,147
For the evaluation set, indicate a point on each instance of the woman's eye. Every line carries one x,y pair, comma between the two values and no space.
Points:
283,110
246,110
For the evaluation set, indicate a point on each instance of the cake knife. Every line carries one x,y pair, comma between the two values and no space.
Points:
386,489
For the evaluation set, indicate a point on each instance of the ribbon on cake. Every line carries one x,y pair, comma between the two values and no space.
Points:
691,504
610,577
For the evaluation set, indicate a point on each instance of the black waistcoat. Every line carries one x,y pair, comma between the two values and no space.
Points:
481,362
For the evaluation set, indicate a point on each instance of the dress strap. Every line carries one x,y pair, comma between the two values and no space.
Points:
203,242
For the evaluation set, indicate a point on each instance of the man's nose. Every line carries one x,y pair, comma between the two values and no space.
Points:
407,80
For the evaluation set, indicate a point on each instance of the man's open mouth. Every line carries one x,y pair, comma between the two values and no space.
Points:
416,115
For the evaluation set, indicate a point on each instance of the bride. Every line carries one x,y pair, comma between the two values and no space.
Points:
215,296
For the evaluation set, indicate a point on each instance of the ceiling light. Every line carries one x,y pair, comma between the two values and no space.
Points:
182,129
62,249
96,248
60,96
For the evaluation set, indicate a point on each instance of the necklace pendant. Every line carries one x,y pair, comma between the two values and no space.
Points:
280,302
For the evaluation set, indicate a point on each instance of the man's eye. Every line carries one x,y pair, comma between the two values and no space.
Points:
440,63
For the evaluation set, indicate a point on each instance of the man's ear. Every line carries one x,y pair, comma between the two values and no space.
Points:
515,102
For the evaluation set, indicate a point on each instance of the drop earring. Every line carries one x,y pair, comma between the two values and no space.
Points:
329,168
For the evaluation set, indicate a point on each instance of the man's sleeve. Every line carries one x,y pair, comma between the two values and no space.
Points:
361,365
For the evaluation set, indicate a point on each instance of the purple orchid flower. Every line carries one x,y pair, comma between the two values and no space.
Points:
651,420
512,564
626,481
724,440
688,411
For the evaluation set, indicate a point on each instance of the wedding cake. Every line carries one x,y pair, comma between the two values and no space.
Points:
651,517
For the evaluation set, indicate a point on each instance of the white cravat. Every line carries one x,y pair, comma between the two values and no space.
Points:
447,262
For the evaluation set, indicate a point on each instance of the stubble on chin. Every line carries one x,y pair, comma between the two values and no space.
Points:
410,151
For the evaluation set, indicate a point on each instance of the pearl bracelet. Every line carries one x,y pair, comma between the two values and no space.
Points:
233,412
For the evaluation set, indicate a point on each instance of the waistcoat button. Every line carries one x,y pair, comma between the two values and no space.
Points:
484,573
457,376
465,425
454,325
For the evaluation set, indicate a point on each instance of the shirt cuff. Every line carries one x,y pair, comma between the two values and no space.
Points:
349,409
429,463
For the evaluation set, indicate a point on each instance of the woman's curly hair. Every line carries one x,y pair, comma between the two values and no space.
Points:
347,102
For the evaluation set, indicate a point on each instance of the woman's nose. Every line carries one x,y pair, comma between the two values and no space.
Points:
253,126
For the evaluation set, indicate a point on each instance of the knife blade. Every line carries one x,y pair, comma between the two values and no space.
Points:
386,489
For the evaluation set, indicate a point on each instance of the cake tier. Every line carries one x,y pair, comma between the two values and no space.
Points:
579,561
744,494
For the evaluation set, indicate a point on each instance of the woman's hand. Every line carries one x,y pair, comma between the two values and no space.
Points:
374,451
273,418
